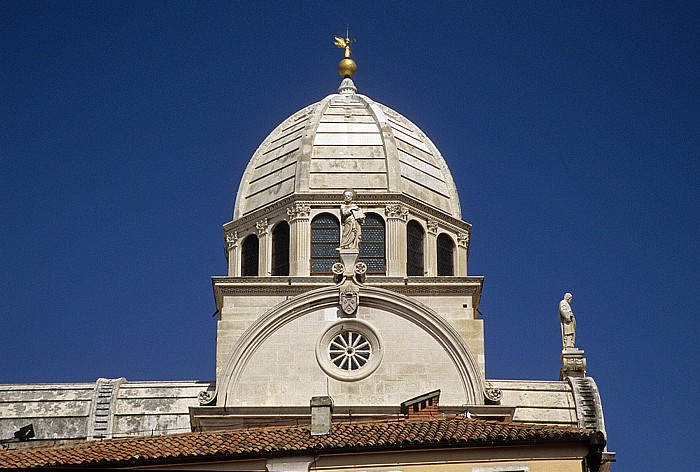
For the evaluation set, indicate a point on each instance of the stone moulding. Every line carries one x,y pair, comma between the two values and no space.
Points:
407,308
293,286
589,409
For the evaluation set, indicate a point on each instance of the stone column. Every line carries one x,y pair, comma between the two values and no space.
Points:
264,256
234,267
431,249
396,218
462,252
299,240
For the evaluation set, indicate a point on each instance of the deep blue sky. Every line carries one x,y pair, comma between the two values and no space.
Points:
572,130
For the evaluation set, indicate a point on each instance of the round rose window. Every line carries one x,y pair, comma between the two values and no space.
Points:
349,350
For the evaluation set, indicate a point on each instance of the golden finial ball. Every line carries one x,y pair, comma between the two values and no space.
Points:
347,67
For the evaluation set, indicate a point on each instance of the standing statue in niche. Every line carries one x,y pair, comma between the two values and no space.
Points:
351,218
568,322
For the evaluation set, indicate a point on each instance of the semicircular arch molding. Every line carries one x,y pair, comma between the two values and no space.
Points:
372,297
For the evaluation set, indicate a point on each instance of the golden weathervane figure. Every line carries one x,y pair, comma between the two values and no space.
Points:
346,67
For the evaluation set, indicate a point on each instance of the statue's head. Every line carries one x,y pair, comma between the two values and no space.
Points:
348,195
568,297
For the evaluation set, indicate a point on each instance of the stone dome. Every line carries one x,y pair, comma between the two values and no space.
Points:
346,140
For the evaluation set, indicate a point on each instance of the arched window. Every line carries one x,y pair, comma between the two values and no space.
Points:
325,239
415,237
372,245
280,249
445,255
250,255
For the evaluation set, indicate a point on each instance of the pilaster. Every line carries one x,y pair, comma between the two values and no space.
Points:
265,256
234,268
462,254
396,218
299,240
430,255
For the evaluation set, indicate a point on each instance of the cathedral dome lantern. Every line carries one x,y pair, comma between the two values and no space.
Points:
300,172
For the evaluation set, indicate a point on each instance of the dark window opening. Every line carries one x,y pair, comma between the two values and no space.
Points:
280,249
445,255
325,239
250,256
415,237
372,245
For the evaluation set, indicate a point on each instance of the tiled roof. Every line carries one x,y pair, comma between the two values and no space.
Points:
263,442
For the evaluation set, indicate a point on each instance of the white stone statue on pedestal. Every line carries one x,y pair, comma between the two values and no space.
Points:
568,323
351,218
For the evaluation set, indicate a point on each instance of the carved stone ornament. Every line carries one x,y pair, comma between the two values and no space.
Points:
205,397
299,210
395,210
262,226
360,274
432,227
231,240
493,395
349,299
463,239
338,270
573,363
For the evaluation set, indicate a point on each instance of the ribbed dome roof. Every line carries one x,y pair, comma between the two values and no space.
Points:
346,141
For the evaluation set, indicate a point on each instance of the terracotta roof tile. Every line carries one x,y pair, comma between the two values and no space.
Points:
276,439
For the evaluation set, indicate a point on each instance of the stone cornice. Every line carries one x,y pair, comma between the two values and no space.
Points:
292,286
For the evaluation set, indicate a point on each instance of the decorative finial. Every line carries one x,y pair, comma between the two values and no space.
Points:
346,67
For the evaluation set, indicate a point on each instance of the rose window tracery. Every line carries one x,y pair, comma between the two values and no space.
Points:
350,350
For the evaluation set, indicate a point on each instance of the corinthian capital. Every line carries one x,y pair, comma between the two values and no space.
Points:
231,240
299,210
463,239
394,210
262,227
433,227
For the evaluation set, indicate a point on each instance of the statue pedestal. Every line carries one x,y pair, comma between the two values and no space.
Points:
352,274
573,364
349,258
